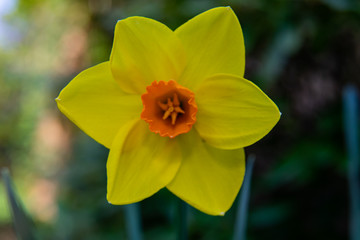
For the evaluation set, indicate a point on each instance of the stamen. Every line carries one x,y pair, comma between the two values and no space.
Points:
173,117
176,100
166,114
163,106
171,108
169,103
178,109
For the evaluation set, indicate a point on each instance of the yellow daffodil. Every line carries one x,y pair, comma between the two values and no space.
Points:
174,110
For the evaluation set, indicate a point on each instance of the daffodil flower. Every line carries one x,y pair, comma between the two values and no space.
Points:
174,110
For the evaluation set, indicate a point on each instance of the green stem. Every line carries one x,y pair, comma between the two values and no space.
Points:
351,120
242,209
133,223
24,227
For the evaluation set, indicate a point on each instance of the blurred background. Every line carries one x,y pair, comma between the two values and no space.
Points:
300,52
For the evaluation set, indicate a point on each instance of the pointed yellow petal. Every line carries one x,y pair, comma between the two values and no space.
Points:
209,178
233,112
140,163
214,43
96,104
144,51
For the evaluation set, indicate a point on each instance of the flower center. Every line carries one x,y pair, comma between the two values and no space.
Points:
169,108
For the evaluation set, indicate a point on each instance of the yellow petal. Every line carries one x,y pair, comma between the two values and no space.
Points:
233,112
140,163
145,50
96,104
209,178
214,43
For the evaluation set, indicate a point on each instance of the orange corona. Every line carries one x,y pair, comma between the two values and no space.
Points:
169,108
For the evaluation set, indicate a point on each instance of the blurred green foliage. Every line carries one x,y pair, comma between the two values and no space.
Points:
300,52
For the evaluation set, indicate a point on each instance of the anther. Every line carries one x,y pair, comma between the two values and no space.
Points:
178,109
171,108
173,117
176,100
163,106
